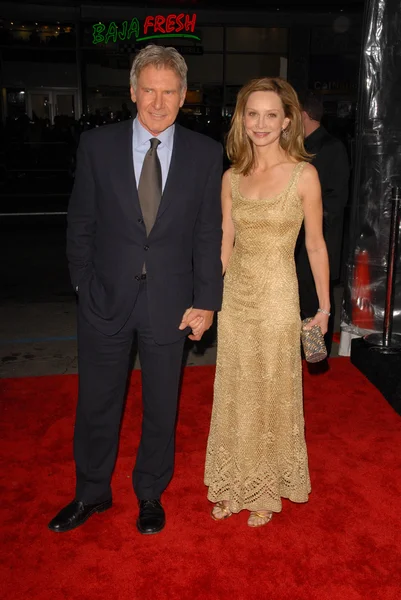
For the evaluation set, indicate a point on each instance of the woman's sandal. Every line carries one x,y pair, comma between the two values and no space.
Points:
222,509
259,518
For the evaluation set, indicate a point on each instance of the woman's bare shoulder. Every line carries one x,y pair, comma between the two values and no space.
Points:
309,173
309,183
228,175
308,167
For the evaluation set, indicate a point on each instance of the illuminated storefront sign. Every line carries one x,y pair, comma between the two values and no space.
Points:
154,27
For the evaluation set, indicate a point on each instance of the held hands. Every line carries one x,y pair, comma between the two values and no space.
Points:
320,319
198,320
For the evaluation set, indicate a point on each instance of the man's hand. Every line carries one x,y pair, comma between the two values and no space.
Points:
198,320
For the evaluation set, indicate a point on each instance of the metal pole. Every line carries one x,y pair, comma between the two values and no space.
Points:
387,342
81,71
392,265
3,93
224,71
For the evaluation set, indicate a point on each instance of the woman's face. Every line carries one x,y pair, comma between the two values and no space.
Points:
264,118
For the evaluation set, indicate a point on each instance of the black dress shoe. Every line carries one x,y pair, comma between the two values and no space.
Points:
75,514
151,517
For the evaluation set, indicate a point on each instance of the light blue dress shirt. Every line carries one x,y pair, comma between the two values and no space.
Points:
141,144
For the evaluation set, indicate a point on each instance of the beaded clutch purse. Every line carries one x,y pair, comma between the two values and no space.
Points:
313,342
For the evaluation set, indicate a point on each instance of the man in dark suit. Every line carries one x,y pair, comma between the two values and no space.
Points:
143,244
331,162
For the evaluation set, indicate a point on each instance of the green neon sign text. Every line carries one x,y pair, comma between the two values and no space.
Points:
154,27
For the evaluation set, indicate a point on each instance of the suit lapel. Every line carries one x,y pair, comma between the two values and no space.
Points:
131,198
181,163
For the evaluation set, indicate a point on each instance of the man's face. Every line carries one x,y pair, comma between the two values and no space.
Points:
158,98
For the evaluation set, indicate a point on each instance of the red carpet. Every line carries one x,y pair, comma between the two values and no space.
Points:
343,545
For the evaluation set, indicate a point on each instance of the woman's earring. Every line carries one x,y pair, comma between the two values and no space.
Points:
284,133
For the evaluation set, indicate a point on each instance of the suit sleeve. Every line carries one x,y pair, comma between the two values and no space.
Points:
81,218
208,278
333,168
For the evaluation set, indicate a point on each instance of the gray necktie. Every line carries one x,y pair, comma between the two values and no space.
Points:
150,185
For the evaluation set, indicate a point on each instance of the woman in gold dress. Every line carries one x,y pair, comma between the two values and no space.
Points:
256,453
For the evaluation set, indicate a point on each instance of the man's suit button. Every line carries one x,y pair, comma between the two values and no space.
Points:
138,277
140,220
146,247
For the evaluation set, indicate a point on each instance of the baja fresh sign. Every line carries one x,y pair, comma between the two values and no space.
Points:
154,27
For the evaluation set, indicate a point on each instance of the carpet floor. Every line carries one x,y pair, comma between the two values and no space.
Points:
344,544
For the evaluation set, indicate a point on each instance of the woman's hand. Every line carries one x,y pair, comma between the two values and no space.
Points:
319,319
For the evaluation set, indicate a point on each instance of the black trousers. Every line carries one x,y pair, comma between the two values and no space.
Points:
103,363
309,304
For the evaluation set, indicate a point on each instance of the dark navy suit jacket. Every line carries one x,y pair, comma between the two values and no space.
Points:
107,243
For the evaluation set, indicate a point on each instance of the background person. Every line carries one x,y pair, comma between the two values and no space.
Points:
331,162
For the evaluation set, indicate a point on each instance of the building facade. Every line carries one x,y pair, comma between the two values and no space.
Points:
73,60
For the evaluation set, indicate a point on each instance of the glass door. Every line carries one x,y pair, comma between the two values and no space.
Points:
50,103
40,106
64,103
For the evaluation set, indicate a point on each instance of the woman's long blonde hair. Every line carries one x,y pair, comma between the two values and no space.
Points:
240,149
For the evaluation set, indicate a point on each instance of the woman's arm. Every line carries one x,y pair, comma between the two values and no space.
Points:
310,192
228,225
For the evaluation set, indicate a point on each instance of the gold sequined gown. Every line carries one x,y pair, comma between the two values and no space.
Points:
256,452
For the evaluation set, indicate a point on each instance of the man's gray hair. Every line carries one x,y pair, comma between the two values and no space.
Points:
159,57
